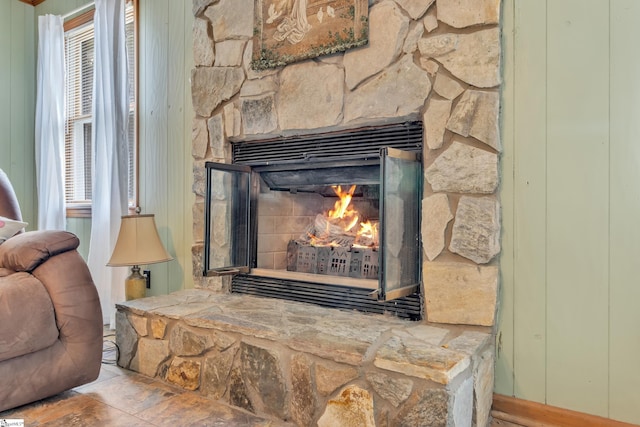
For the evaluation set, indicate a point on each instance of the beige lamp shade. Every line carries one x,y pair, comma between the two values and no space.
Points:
138,242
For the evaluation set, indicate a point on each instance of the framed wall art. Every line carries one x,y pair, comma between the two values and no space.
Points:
288,31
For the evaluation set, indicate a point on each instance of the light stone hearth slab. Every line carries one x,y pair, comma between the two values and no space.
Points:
292,360
419,359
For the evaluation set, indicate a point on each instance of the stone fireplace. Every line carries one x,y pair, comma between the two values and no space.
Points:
432,61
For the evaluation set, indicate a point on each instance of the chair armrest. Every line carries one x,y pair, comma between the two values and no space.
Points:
9,206
26,251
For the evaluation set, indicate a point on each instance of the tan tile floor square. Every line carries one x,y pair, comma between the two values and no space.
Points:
124,398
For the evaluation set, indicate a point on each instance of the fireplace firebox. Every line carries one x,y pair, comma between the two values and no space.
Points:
331,219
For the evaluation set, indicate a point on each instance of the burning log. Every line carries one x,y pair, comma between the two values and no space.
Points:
325,232
337,243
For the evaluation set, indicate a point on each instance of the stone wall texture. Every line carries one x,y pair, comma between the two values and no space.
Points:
432,60
302,365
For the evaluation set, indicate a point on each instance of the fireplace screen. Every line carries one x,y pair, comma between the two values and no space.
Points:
346,220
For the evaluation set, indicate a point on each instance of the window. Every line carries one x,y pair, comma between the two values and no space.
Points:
79,64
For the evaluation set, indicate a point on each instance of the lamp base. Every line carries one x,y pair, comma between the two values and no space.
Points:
135,285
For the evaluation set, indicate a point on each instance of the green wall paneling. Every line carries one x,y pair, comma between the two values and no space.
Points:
568,312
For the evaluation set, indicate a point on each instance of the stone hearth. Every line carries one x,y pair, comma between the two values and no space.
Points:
437,61
310,365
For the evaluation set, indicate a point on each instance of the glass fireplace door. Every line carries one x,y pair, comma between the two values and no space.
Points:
231,217
400,202
228,219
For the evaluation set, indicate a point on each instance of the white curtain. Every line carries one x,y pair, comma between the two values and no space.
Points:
109,135
50,124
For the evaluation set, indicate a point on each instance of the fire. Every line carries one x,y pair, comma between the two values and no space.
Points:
342,207
367,236
341,226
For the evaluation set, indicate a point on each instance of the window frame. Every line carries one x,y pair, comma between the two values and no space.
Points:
84,209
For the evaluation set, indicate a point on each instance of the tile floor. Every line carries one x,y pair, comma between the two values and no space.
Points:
124,398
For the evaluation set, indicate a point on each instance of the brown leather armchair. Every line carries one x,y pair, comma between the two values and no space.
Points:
50,316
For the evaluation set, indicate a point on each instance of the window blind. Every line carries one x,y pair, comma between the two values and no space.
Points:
79,65
78,97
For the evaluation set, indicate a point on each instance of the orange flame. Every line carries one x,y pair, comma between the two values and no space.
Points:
341,207
367,229
347,219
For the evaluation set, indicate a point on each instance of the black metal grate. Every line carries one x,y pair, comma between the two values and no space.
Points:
360,142
326,295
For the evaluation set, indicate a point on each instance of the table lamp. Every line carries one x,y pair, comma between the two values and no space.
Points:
138,244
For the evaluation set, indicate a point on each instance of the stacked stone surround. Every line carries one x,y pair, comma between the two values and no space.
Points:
432,60
306,365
